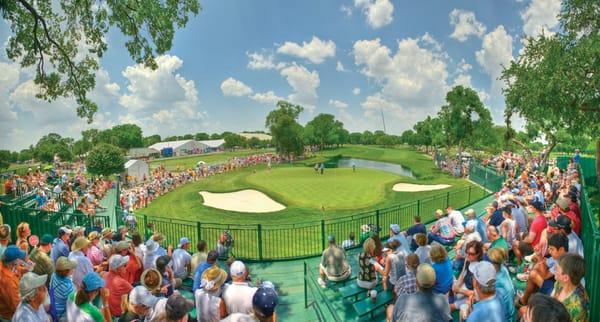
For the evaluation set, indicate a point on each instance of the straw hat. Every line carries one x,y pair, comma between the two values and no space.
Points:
93,235
79,243
158,237
151,279
213,278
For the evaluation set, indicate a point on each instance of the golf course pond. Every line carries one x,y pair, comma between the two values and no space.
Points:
385,166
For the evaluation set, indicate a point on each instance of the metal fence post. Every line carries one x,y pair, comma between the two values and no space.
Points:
469,200
199,230
377,218
260,247
305,288
418,207
447,199
146,227
322,234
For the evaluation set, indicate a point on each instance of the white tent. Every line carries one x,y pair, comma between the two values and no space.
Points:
137,169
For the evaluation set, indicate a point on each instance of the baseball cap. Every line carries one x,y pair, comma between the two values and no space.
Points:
331,237
515,191
64,230
63,263
484,272
12,253
121,246
93,281
562,202
264,301
46,239
425,275
151,246
560,222
183,241
177,307
237,269
30,282
106,231
117,261
395,228
140,295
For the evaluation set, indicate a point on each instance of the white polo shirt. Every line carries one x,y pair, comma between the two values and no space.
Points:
238,297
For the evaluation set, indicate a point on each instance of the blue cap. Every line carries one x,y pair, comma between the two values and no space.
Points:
12,253
515,191
264,301
93,281
183,241
395,228
538,205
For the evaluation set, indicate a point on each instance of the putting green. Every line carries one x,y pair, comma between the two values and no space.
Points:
336,189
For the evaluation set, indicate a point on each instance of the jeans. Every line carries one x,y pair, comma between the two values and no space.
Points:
431,237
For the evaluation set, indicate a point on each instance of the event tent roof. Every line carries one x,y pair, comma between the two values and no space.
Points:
213,143
169,144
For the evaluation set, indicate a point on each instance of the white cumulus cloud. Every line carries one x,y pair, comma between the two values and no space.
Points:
540,15
340,67
268,98
465,25
316,51
338,104
263,60
304,83
496,51
356,91
234,87
379,13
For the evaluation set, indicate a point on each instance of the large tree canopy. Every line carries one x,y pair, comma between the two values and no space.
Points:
64,39
555,82
284,128
105,159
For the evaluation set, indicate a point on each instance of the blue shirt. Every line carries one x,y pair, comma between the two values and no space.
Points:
40,200
59,249
496,219
161,251
489,310
413,230
480,228
403,242
505,291
443,277
61,287
198,275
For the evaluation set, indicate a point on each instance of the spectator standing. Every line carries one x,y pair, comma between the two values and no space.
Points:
150,254
4,238
238,295
182,260
84,266
95,254
34,294
211,260
118,287
61,244
209,305
10,276
61,284
199,256
39,256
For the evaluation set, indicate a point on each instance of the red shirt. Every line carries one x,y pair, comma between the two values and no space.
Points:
133,270
575,221
574,207
117,287
537,226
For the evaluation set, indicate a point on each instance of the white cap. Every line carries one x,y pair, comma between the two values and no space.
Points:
483,271
140,295
30,282
471,224
237,269
117,261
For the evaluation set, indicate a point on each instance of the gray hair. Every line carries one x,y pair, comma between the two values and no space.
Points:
489,288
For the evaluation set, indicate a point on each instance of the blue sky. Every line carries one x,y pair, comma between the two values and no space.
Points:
349,58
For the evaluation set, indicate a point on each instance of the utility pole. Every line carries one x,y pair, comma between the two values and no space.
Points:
382,119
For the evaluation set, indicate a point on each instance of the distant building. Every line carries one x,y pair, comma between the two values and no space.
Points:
136,170
211,145
179,148
141,153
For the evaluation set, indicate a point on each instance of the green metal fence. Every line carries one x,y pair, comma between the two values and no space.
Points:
264,242
590,234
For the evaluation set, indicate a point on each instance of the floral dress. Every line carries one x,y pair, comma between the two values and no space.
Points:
367,271
577,303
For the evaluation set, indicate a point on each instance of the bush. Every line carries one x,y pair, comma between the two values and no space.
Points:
105,159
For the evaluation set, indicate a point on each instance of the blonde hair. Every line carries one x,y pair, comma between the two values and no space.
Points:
497,256
438,253
369,245
21,228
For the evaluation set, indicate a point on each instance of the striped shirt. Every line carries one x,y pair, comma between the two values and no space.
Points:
62,287
406,284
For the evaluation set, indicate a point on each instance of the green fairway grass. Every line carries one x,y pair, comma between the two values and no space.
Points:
336,189
303,195
188,162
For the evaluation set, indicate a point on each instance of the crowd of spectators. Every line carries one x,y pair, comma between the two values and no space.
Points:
142,191
106,275
521,260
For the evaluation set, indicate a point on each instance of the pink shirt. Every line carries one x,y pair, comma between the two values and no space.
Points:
95,255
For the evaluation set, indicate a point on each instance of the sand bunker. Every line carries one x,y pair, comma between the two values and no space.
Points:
409,187
241,201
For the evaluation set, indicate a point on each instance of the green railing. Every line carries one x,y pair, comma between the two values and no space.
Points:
267,242
590,235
